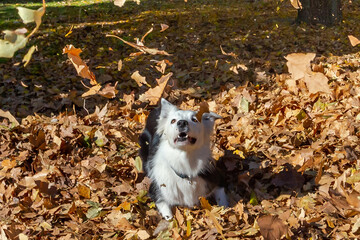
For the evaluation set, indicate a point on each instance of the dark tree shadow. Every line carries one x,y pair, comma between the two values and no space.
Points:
258,36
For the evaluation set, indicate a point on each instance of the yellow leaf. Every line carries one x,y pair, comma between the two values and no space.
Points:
205,203
93,90
8,164
188,228
125,206
7,49
29,54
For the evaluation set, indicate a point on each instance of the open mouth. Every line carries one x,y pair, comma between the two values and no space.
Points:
184,138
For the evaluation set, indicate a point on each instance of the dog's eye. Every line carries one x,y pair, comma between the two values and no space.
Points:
194,119
173,121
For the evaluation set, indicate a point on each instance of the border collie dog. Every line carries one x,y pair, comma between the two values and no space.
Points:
176,155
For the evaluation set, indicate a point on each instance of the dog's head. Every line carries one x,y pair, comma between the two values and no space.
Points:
182,129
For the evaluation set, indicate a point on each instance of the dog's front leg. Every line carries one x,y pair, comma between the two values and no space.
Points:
165,210
220,197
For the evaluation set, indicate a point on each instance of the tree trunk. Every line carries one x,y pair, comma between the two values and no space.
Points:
327,12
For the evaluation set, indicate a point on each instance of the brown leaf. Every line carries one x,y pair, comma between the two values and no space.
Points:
353,40
9,116
317,82
37,139
140,80
288,178
109,91
299,63
163,27
152,51
81,67
153,95
204,108
92,91
271,227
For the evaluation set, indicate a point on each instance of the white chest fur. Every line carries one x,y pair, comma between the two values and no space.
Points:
177,190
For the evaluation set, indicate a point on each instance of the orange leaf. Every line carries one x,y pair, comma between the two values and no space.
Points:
125,206
81,67
84,191
205,203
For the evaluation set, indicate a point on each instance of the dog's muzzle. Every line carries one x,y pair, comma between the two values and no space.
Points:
183,137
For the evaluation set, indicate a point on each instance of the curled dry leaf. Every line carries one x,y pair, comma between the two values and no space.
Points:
152,51
120,65
163,27
80,66
29,54
109,91
140,80
296,4
9,116
153,95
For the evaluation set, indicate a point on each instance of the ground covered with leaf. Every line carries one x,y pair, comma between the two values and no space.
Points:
288,141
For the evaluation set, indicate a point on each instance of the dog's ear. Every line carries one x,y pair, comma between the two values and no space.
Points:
210,116
166,108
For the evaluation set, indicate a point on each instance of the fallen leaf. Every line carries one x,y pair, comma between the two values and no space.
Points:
9,116
120,65
271,227
152,51
299,64
84,191
317,82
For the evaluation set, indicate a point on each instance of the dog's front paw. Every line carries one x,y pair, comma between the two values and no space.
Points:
165,210
221,198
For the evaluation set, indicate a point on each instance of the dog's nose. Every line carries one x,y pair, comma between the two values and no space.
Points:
182,123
